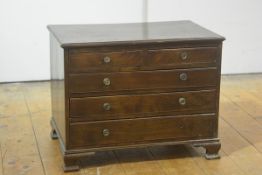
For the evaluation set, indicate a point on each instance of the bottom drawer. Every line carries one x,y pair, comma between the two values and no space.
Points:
143,130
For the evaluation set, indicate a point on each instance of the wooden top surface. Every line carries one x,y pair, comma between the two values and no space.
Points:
130,33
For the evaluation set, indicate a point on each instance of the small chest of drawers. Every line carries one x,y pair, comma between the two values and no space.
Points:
116,86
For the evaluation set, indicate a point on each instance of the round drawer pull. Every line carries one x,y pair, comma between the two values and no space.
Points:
184,55
106,81
106,132
182,101
181,126
107,59
106,106
183,76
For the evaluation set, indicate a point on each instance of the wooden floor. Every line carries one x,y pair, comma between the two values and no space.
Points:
26,148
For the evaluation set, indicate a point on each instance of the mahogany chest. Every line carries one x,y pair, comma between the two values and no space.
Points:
140,84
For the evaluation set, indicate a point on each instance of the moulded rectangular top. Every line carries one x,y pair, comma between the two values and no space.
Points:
131,33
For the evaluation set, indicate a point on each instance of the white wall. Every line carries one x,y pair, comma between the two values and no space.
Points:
24,39
240,21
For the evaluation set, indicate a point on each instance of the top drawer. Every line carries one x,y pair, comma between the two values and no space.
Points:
142,60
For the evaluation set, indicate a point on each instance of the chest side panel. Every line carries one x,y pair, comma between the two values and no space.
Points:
58,98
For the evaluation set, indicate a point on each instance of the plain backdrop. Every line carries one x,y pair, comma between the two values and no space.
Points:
24,39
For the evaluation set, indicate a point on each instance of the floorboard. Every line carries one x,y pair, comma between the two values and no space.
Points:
238,149
1,161
26,147
245,92
176,159
139,162
242,122
19,149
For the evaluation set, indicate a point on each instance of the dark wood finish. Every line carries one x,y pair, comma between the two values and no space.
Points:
131,106
71,163
128,131
117,86
58,94
131,34
212,149
53,134
130,81
142,59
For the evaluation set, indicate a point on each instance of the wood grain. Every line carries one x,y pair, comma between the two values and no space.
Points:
97,71
175,159
239,155
58,88
191,127
11,97
135,106
134,33
1,160
20,152
130,160
251,92
223,166
239,118
143,80
142,59
238,149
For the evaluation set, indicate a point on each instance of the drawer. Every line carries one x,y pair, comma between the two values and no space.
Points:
185,57
142,80
134,106
144,130
110,61
142,60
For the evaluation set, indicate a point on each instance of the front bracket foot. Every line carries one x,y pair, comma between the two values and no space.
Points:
71,164
53,133
212,149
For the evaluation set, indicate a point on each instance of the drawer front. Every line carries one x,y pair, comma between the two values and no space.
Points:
133,106
132,131
93,62
142,60
186,57
142,80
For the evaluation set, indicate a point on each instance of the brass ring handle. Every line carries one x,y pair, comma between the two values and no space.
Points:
106,106
107,59
183,76
106,132
106,81
182,101
184,55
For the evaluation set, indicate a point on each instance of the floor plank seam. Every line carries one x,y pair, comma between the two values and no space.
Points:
258,99
231,163
152,157
194,160
39,111
2,158
235,163
7,116
225,96
246,139
236,129
36,141
118,160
